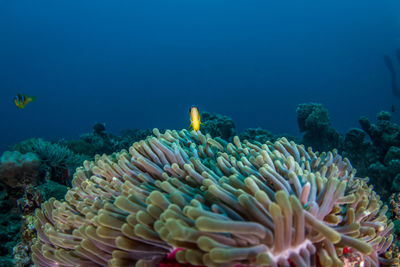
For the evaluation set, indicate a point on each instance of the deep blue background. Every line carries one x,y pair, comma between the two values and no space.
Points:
142,64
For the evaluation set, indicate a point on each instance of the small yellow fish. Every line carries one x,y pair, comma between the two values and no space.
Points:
21,100
195,118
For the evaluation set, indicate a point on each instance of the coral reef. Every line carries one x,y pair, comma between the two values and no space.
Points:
20,182
384,134
218,125
100,142
379,158
57,162
48,166
31,200
395,206
10,226
28,203
94,143
355,147
17,173
17,170
395,215
257,135
51,189
373,150
313,120
222,203
130,136
260,136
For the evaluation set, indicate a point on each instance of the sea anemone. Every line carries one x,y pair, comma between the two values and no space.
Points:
221,204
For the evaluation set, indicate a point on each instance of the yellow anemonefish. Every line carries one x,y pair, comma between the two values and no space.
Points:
21,100
195,118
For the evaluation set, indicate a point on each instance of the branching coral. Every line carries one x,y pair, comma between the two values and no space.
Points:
223,203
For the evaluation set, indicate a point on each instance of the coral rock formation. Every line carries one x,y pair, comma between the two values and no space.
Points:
56,161
313,120
18,169
379,159
218,125
223,204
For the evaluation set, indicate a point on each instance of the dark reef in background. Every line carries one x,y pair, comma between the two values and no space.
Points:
313,120
374,150
35,170
381,155
100,142
218,125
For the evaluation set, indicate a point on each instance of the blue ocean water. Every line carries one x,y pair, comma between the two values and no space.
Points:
142,64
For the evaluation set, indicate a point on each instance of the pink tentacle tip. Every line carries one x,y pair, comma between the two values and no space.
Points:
172,255
170,261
